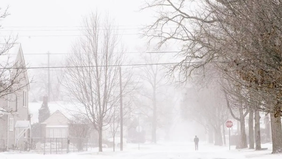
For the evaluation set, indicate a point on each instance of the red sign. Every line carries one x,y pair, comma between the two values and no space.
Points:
229,123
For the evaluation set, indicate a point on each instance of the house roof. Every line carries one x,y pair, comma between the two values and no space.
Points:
13,57
3,111
57,118
10,57
66,108
22,124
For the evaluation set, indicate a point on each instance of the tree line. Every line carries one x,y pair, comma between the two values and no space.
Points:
241,41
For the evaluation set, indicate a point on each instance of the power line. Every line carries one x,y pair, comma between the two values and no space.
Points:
124,65
72,32
65,29
92,66
81,27
130,52
124,31
69,35
77,26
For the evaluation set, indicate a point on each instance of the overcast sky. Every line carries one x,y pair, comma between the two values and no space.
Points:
53,25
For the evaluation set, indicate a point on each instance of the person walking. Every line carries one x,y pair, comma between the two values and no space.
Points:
196,141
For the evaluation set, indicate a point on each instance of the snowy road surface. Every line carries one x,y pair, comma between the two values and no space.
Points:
155,151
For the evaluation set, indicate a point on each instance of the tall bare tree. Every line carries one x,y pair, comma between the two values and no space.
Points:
93,76
241,37
153,78
239,111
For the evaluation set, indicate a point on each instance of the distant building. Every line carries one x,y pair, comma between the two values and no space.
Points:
56,126
14,114
59,134
67,122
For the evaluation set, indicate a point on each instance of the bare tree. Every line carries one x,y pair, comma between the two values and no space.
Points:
153,78
79,130
13,72
240,109
92,78
204,104
258,46
241,37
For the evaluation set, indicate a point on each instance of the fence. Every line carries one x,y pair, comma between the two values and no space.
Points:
59,145
2,145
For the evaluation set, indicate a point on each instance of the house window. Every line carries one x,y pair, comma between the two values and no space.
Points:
56,133
8,101
12,102
11,124
24,99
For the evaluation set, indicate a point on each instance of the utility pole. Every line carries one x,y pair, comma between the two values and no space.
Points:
114,131
121,111
154,125
48,84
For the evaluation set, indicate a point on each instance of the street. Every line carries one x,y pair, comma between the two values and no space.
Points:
156,151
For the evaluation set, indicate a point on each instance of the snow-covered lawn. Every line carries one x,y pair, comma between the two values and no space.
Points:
168,150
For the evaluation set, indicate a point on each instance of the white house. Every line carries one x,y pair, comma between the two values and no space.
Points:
56,126
14,114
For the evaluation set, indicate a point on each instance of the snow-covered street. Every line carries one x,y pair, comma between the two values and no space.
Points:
157,151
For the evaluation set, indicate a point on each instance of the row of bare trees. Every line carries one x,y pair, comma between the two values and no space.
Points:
98,78
154,99
241,39
93,77
203,102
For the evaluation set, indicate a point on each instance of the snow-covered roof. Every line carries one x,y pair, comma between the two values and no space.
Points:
9,57
57,118
66,108
22,124
13,57
2,111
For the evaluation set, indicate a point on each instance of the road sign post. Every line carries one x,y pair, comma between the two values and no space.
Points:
229,124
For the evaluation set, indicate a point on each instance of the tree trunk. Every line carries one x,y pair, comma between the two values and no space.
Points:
154,126
276,130
218,136
238,126
100,136
243,141
223,135
114,139
251,129
257,130
267,128
243,137
121,110
211,136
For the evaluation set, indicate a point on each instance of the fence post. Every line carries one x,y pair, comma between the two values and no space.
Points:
44,146
50,145
68,144
56,141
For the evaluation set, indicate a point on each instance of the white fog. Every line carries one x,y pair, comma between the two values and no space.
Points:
143,79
